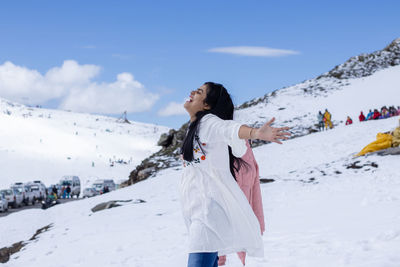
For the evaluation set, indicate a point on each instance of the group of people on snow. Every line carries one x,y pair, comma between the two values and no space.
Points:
376,114
383,114
65,191
324,120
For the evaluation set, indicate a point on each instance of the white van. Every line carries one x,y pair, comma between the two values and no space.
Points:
101,184
27,194
74,183
38,189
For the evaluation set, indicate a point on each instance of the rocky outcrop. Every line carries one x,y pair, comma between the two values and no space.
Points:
6,252
367,64
115,203
167,157
356,67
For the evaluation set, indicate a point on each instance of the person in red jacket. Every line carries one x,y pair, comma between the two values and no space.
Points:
361,117
349,121
376,115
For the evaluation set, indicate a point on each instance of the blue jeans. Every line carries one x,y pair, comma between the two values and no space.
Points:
203,259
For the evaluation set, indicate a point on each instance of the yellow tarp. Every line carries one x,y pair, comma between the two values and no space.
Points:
383,141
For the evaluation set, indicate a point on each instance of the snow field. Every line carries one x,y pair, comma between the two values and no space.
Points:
48,144
347,219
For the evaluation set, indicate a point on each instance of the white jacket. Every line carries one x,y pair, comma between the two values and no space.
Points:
216,212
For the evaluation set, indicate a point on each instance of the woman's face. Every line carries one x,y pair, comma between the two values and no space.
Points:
196,101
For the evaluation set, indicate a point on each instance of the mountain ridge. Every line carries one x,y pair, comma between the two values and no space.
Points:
297,106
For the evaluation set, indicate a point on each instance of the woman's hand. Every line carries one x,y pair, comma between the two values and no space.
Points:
272,134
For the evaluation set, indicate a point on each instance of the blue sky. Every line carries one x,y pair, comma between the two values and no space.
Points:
163,47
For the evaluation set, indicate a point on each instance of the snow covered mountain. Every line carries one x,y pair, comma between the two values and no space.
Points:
45,144
324,207
363,82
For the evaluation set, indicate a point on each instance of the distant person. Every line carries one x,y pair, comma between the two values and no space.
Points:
361,117
63,192
328,119
398,110
392,111
106,189
54,190
349,121
320,121
376,115
68,190
370,115
384,113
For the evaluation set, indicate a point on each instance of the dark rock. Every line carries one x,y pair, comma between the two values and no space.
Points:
113,204
168,156
266,180
166,138
354,165
6,252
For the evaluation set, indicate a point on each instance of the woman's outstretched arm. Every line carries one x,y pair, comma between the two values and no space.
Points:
265,132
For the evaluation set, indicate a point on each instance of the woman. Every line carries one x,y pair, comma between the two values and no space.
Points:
216,212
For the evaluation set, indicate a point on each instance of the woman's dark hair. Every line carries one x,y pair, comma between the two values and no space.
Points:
221,105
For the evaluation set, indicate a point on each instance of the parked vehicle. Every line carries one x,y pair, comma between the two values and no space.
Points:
3,203
8,194
89,192
38,189
99,185
27,195
73,182
13,196
31,197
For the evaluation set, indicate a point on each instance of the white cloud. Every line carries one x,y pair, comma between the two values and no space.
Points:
125,94
72,85
173,108
255,51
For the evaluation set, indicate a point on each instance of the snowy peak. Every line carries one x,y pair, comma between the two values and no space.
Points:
366,64
356,67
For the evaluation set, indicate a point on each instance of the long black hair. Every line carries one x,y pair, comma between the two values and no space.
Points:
221,105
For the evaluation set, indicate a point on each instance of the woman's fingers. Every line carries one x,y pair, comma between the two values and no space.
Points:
283,134
283,137
284,128
270,122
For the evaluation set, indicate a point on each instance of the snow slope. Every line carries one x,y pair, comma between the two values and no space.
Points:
364,82
318,212
293,107
46,144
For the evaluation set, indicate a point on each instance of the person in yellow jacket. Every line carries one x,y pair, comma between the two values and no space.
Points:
327,119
